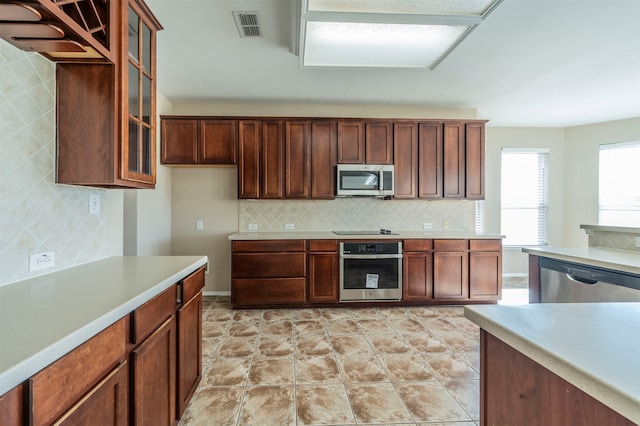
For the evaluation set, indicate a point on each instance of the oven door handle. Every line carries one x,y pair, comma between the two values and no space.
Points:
371,256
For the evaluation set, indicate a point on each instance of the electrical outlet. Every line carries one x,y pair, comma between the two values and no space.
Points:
94,203
199,225
445,224
289,227
426,226
253,227
42,261
638,242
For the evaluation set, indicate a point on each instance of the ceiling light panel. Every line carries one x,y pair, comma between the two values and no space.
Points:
344,44
475,7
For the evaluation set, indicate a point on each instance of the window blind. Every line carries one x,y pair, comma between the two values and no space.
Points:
619,184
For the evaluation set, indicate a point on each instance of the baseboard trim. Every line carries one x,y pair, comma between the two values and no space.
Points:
515,274
216,293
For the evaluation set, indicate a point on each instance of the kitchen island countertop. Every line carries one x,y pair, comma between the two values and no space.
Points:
328,235
594,346
619,260
44,317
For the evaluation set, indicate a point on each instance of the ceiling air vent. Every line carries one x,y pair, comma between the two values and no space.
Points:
248,23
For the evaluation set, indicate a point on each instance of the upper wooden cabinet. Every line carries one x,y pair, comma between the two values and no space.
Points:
323,159
474,158
430,160
405,155
297,159
454,161
365,142
198,141
106,112
261,159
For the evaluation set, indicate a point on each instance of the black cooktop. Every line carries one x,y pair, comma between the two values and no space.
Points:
380,232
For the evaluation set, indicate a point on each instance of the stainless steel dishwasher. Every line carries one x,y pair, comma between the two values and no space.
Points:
574,283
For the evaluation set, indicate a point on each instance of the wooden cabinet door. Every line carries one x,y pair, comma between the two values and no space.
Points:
379,143
405,159
178,141
454,160
485,275
417,276
105,404
249,159
323,159
272,160
430,160
474,172
12,407
153,378
323,277
297,159
217,142
450,275
189,351
351,144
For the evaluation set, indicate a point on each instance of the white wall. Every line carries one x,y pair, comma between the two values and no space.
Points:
582,148
36,214
147,213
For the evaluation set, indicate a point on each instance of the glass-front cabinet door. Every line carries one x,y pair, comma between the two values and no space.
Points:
138,132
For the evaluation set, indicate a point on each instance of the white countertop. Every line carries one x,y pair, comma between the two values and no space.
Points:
328,235
594,346
620,260
44,317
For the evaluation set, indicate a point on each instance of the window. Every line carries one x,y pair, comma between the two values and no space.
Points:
619,189
524,196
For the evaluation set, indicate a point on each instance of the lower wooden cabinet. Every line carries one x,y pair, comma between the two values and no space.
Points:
12,407
323,271
485,269
153,378
417,270
450,269
189,363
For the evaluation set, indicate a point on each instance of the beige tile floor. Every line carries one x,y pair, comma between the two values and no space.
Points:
336,366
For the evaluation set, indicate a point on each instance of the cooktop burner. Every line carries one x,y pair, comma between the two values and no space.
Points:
380,232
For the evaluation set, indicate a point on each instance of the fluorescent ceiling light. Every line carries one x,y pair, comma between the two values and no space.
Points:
385,33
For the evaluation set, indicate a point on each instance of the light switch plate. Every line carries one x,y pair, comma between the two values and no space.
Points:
94,203
289,227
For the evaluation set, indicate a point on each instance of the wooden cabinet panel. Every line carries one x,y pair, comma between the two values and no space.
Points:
515,390
274,291
323,159
430,160
378,143
153,376
485,275
189,362
450,245
249,159
474,158
323,277
268,246
178,141
149,316
192,285
323,245
417,276
106,404
268,265
297,159
57,387
485,245
417,245
12,407
405,159
351,145
272,164
454,161
217,142
450,275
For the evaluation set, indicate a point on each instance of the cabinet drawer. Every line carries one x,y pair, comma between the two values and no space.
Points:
485,245
268,291
323,245
450,245
417,245
268,246
149,316
269,265
57,387
192,285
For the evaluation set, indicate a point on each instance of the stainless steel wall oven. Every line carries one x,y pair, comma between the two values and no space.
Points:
370,271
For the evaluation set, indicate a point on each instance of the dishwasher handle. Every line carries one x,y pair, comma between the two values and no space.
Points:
584,280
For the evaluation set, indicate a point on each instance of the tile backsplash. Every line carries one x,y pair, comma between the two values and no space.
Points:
361,214
37,215
620,240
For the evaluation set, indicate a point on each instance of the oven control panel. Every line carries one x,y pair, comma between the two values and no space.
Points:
371,248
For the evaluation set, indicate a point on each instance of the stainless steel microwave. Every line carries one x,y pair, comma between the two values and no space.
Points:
365,180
